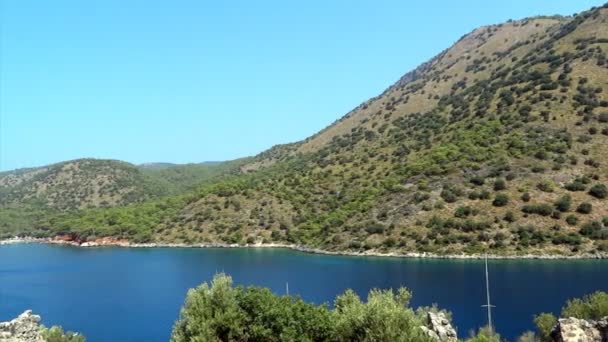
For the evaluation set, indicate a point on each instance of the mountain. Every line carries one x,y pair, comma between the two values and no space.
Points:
495,144
77,184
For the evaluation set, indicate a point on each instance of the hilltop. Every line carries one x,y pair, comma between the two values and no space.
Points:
496,143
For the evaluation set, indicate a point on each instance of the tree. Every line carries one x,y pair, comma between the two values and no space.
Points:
221,312
211,313
385,317
593,306
544,324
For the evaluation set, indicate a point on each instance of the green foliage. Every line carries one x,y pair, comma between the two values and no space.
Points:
545,186
484,335
577,185
500,200
500,184
593,306
385,317
545,322
594,230
599,191
465,211
584,208
572,220
56,334
539,209
176,179
563,203
221,312
449,195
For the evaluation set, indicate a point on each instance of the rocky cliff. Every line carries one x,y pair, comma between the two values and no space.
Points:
580,330
25,328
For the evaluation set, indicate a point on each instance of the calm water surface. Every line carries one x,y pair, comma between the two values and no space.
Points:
120,294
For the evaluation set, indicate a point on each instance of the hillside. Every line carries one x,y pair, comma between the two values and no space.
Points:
27,195
496,143
77,184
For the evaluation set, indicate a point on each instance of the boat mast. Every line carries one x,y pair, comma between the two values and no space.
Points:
488,305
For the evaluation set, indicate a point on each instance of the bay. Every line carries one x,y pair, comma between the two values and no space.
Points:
134,294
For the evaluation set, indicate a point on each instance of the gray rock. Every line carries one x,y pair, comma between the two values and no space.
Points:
440,328
579,330
25,328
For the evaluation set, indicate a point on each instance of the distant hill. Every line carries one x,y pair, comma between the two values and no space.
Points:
86,183
498,143
78,184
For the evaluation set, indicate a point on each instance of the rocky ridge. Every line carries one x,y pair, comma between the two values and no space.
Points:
25,328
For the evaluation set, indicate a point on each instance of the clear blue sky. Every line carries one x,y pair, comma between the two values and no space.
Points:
190,81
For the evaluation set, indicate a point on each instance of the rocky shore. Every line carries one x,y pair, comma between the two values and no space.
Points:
580,330
26,327
112,242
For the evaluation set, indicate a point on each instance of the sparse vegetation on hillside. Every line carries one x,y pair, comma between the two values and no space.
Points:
496,145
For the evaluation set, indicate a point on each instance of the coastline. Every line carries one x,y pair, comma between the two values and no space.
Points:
412,255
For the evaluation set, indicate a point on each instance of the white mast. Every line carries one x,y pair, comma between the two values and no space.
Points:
488,305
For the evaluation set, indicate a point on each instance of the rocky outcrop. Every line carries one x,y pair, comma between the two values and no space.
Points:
580,330
25,328
440,328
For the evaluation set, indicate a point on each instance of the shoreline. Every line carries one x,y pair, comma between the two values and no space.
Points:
410,255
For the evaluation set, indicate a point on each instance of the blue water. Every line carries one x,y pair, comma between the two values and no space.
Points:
120,294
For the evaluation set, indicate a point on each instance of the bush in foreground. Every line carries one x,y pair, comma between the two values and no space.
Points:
56,334
221,312
593,307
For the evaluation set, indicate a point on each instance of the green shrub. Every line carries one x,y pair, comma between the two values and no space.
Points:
599,191
545,186
594,230
593,306
477,180
500,200
545,322
525,197
510,217
375,228
572,220
221,312
465,211
500,184
563,203
484,335
539,209
575,186
449,195
584,208
56,334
